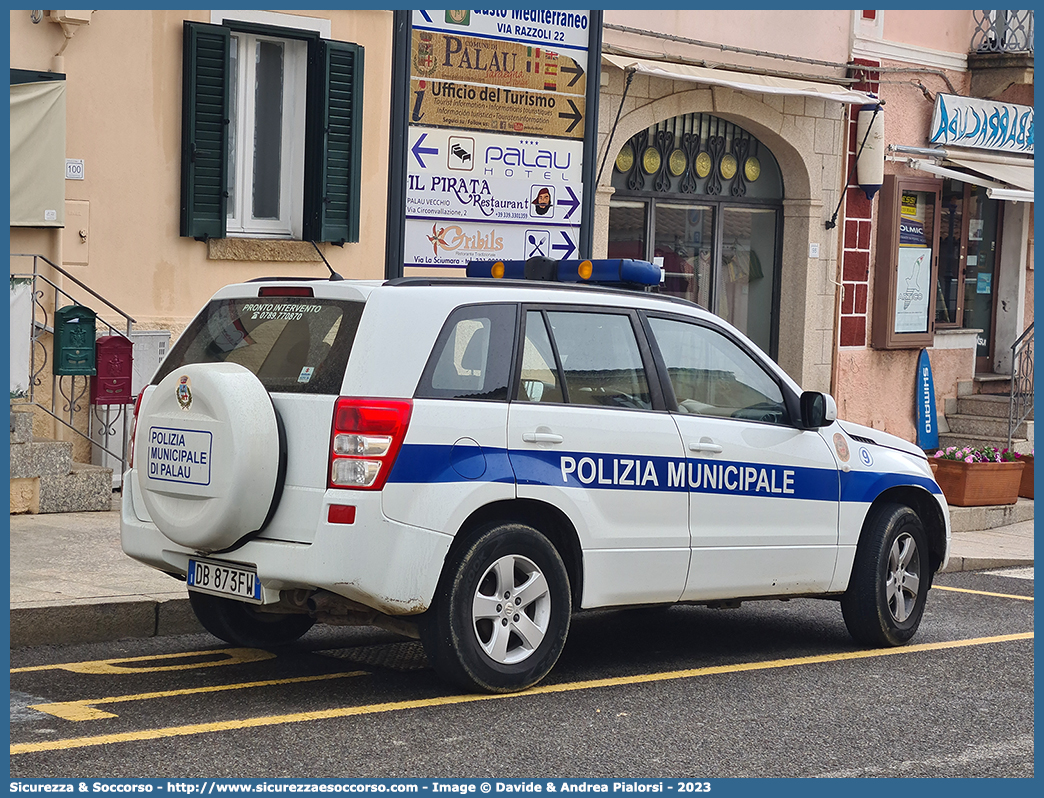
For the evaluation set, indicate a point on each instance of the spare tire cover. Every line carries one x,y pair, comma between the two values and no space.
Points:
207,455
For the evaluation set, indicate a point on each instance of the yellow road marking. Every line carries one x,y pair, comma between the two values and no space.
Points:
84,709
394,706
223,656
982,593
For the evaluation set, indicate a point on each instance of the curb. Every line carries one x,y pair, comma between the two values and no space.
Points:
107,621
959,564
101,622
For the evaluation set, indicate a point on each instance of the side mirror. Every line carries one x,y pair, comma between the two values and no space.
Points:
817,409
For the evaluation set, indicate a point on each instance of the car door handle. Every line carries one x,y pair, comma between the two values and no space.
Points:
705,446
542,437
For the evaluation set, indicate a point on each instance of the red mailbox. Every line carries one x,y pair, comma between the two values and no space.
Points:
112,384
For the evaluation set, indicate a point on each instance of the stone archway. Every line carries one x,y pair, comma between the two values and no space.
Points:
806,136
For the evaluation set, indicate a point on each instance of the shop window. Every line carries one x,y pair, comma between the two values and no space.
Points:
685,244
627,229
703,197
271,134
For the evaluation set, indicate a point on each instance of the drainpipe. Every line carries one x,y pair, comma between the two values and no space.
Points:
57,254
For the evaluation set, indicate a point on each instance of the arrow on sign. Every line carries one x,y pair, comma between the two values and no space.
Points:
576,70
567,249
418,150
576,116
572,203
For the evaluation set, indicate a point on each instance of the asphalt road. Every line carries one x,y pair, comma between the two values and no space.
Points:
771,689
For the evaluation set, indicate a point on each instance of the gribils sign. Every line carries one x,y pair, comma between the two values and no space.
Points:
495,156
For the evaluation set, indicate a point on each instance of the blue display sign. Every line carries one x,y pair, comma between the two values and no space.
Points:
927,427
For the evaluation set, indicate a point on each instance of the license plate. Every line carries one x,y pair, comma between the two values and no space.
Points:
221,579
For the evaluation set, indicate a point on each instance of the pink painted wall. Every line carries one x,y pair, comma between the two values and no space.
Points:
946,31
818,34
877,388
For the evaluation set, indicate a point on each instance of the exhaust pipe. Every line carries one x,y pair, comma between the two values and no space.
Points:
335,610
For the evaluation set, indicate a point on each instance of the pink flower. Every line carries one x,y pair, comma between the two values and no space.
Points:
969,459
939,453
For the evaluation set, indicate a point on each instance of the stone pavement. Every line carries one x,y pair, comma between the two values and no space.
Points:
72,583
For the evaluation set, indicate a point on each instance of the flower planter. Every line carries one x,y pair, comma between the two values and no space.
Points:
1026,486
974,484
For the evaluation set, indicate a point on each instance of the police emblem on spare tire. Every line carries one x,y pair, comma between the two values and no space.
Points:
184,393
208,477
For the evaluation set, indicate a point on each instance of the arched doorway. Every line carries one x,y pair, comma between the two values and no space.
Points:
704,197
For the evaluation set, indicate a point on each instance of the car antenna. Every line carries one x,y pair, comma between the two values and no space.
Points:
333,275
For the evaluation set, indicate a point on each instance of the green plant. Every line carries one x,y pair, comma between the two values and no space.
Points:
977,454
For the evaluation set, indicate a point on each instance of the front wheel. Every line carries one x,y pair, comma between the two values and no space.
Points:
890,579
239,623
502,612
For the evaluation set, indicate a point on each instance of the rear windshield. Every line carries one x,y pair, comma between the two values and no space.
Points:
292,344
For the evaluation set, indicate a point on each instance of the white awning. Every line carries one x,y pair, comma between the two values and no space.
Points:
764,84
1019,176
997,189
38,154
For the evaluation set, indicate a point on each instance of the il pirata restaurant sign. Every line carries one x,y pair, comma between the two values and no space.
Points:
495,156
982,124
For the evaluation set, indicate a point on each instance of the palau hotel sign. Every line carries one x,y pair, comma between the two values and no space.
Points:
982,124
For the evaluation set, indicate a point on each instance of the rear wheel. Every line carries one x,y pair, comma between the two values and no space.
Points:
502,612
241,624
890,580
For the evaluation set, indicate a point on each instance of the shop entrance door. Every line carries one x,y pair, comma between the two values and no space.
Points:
980,274
967,288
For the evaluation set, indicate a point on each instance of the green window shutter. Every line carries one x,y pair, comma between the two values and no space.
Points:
332,168
204,131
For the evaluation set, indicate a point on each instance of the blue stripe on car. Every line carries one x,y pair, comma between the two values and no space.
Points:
436,463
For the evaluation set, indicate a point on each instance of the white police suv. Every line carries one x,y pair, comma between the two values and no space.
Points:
469,461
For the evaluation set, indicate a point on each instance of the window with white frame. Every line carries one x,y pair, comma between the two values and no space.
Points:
271,129
267,84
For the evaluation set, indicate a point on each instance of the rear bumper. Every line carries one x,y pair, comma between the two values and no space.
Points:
384,564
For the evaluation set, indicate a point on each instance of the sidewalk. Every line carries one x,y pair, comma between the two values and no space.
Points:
72,583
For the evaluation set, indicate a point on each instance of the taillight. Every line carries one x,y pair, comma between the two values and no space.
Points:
134,430
366,437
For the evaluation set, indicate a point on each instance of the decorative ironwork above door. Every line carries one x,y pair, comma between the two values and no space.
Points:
697,154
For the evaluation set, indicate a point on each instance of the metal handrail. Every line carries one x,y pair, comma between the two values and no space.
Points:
1002,32
84,286
39,327
1021,404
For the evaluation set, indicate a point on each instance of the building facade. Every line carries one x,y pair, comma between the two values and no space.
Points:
728,151
146,222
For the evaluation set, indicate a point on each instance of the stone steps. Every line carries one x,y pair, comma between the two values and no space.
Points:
993,405
44,478
987,427
979,416
1020,445
973,519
